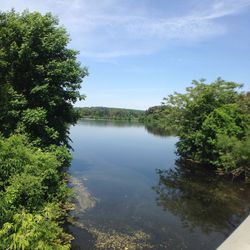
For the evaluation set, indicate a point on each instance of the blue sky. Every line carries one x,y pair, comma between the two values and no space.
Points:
137,52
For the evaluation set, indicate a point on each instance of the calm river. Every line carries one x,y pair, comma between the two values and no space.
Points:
132,192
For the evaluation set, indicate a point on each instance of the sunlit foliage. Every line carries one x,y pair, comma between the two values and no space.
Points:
212,123
39,82
32,192
40,77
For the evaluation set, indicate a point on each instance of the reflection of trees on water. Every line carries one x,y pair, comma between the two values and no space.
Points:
109,123
202,199
160,131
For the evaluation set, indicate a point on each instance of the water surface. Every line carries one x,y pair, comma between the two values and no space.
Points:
132,192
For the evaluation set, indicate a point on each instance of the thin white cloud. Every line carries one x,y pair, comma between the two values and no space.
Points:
223,8
113,28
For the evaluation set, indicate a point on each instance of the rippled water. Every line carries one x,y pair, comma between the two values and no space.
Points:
132,192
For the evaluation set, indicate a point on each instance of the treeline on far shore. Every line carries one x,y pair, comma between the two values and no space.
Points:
110,113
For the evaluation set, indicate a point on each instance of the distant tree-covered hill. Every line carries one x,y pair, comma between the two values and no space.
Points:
110,113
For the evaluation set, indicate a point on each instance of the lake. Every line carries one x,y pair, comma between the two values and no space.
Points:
132,192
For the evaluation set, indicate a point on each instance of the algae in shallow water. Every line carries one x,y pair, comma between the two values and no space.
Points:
83,200
137,240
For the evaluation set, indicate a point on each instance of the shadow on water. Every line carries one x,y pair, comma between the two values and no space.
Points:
201,199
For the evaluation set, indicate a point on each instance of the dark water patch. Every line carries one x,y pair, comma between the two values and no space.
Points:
82,238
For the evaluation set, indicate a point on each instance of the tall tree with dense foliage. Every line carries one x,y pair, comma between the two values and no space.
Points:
39,77
213,125
39,83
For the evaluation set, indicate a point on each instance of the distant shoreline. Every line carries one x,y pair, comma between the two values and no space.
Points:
110,114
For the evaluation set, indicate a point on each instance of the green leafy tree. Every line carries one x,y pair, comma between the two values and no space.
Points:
39,82
234,147
209,117
40,77
194,106
225,120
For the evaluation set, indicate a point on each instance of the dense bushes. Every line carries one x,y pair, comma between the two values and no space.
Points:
213,125
40,230
32,194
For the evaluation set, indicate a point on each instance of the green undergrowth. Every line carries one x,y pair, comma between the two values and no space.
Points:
33,195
